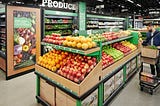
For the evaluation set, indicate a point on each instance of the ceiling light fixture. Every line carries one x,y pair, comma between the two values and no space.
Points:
130,1
139,5
100,0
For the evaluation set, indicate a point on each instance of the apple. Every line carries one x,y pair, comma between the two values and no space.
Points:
84,70
68,76
76,80
64,74
94,59
78,74
71,78
90,62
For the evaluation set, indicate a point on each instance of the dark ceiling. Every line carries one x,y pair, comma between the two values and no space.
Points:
142,7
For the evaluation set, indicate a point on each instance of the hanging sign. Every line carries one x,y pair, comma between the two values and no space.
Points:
58,4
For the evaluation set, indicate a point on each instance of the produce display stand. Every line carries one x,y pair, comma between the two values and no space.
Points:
100,86
20,48
93,88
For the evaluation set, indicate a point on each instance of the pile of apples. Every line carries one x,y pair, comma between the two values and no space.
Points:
122,48
80,42
106,60
110,35
72,66
54,39
77,67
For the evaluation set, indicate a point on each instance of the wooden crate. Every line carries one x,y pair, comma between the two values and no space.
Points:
3,64
47,92
117,64
90,81
62,99
150,53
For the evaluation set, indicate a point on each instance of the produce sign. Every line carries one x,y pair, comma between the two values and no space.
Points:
58,4
72,66
24,39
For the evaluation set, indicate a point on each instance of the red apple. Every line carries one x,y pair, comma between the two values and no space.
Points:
78,74
76,80
90,62
71,78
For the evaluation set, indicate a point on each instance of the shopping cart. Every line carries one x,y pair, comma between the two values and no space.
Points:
147,80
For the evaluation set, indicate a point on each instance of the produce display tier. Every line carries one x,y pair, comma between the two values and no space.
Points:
58,29
57,23
2,54
2,25
2,38
116,40
111,69
58,17
1,44
73,50
2,32
92,79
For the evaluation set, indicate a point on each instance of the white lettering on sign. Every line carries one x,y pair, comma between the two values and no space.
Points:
57,4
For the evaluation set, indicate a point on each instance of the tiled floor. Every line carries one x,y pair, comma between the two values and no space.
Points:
21,92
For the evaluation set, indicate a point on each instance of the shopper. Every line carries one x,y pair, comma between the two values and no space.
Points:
75,30
153,38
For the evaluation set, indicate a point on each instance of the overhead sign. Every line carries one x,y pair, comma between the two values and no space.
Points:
58,4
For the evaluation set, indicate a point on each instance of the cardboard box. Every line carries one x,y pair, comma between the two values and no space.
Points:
62,99
47,92
91,100
119,75
118,83
108,88
149,60
150,53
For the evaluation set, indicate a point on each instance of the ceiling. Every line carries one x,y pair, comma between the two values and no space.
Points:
143,7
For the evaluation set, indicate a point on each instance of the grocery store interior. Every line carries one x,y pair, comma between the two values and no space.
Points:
79,52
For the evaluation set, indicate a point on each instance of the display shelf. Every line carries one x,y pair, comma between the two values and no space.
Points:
111,69
58,29
2,44
116,40
73,50
58,23
2,38
58,17
92,79
2,25
2,32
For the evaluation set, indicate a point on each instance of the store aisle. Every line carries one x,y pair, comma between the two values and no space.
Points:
132,96
18,91
21,92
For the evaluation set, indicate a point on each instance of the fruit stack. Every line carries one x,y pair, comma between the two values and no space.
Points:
71,66
116,54
122,48
124,33
97,37
110,35
130,45
79,42
54,38
106,60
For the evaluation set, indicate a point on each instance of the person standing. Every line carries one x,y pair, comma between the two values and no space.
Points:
153,38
